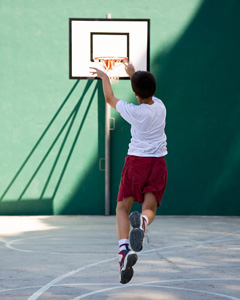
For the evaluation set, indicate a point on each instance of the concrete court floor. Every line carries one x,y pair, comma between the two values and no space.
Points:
74,257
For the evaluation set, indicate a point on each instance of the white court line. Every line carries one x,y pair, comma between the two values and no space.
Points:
44,288
2,241
47,286
195,291
59,285
37,294
154,286
116,284
199,244
21,288
10,243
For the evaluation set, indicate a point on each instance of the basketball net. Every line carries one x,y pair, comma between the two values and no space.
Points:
111,66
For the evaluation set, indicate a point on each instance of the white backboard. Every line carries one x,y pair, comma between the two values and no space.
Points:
90,38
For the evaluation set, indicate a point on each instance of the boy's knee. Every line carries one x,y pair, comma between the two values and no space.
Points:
124,205
150,201
121,207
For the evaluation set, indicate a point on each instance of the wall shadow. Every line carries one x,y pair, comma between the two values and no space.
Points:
198,79
88,196
27,207
44,205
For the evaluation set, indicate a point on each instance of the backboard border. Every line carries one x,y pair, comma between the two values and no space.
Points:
105,20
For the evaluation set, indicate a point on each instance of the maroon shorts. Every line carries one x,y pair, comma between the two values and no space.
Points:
142,175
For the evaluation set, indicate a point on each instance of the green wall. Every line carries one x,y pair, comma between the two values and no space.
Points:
52,128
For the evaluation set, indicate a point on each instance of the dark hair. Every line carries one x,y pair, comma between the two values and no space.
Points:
143,84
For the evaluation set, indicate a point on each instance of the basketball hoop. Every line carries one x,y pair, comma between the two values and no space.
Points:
110,64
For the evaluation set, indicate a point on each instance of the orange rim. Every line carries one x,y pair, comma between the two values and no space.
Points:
109,61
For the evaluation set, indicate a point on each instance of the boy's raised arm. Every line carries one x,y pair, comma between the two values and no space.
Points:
129,68
107,89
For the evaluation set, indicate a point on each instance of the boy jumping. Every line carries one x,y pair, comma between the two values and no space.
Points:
144,174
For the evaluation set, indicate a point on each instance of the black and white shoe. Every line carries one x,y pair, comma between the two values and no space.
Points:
127,259
137,234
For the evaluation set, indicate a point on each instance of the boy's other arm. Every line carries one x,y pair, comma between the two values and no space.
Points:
107,89
129,68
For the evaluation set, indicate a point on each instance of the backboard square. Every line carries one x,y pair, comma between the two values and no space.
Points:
109,44
89,38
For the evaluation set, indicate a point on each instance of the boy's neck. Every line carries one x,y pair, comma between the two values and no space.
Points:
148,101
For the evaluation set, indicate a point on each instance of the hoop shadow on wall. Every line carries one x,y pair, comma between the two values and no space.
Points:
44,205
198,79
89,194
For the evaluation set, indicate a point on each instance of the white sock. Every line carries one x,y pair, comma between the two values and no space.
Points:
123,244
145,218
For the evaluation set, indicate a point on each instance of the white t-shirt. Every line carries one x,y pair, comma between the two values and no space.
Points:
147,127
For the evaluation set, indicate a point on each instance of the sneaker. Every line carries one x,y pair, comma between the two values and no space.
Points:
138,232
127,259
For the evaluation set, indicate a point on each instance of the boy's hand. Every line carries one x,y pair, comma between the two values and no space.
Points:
98,72
129,68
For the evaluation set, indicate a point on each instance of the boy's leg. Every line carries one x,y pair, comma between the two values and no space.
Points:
149,207
139,221
126,257
122,213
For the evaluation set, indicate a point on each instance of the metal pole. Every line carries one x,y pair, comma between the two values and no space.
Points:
107,152
107,159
